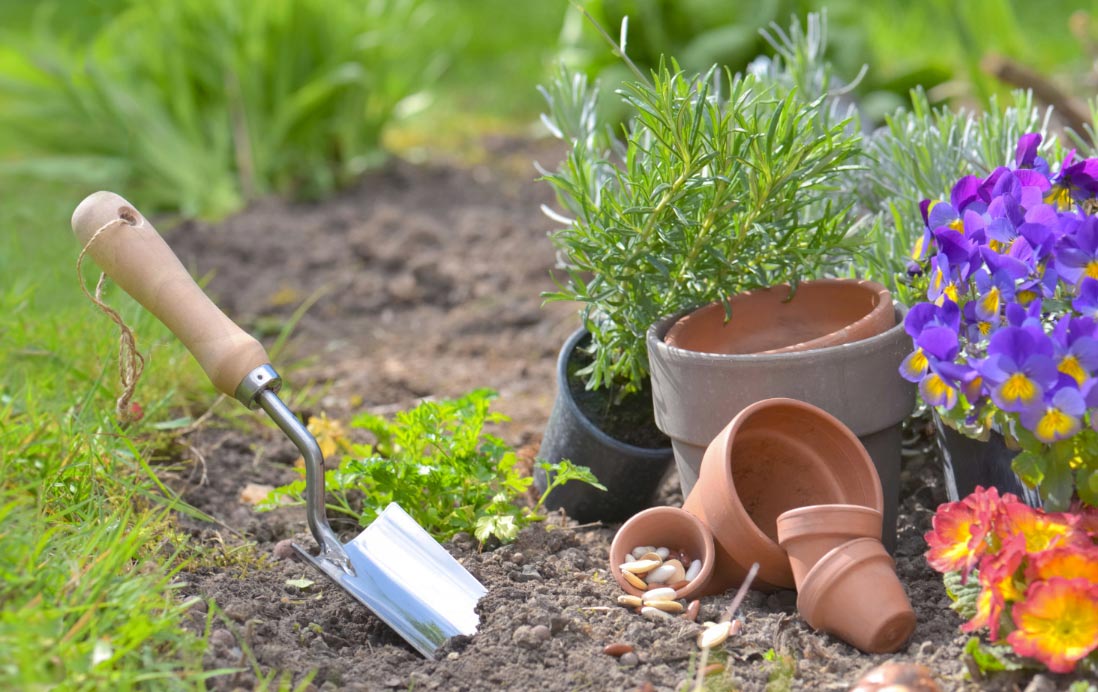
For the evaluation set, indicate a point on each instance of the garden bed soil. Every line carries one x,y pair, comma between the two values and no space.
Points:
428,279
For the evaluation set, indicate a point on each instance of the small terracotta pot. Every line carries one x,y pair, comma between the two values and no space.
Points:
808,533
822,313
774,456
672,528
853,593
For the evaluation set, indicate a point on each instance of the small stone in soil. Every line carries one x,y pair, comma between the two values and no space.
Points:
617,649
517,558
284,550
629,659
540,632
222,637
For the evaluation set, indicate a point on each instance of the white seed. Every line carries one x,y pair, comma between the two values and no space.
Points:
666,606
661,594
655,613
639,566
641,550
634,581
663,552
715,635
662,574
694,570
630,600
680,571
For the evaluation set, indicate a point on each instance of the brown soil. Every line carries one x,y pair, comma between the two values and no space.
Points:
431,278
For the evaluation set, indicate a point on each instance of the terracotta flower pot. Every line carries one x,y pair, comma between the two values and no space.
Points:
774,456
808,533
696,393
822,313
672,528
631,474
853,593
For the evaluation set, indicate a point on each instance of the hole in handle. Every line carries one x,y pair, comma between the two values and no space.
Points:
128,214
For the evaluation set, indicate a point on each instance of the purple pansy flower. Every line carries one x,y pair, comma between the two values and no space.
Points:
1076,348
1086,301
1077,253
1058,419
1019,367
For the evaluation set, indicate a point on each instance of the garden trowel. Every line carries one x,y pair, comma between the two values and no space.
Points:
394,567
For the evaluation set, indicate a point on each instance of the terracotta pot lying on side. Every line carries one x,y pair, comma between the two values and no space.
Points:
774,456
668,527
808,533
853,593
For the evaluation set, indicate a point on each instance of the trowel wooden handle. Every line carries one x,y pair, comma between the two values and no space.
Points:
132,253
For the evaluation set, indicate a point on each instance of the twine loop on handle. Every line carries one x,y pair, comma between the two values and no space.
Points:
130,362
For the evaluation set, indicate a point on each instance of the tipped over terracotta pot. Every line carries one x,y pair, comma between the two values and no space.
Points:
808,533
774,456
853,593
668,527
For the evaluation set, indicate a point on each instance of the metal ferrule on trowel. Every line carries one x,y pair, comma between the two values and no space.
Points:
393,567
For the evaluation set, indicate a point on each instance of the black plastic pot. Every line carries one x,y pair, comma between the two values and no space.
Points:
631,474
968,462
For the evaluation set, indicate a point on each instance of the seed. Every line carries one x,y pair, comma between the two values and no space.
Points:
678,585
714,636
661,594
680,571
630,601
737,627
640,566
712,669
652,555
663,552
673,607
655,613
692,610
634,581
662,574
616,650
641,550
694,570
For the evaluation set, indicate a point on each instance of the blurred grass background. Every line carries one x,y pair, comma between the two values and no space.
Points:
195,107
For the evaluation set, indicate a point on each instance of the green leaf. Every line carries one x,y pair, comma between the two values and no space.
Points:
993,658
302,583
1030,467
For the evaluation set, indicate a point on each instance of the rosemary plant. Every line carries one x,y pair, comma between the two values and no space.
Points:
722,183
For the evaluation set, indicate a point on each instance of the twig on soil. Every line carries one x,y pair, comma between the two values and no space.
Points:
730,611
204,478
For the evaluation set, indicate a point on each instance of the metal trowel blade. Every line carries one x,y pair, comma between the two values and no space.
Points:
408,580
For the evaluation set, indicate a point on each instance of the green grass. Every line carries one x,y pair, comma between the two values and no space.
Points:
85,573
200,105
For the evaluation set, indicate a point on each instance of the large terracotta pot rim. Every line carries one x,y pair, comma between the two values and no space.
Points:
687,358
870,323
645,453
669,514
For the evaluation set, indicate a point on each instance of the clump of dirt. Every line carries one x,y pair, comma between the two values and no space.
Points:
428,280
